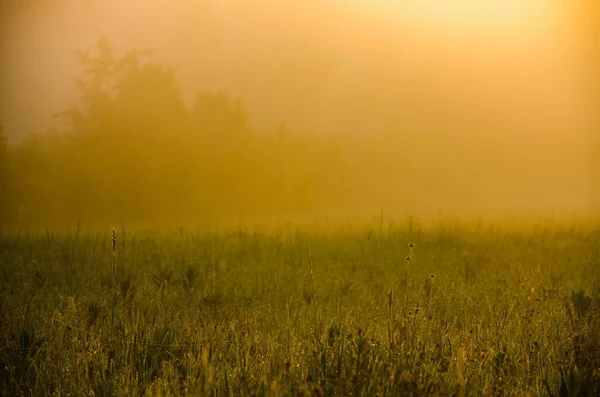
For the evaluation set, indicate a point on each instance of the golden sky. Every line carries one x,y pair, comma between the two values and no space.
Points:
485,75
338,66
307,62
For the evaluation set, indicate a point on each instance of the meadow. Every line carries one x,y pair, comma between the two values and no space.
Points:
387,308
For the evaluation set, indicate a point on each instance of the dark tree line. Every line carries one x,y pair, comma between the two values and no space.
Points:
131,151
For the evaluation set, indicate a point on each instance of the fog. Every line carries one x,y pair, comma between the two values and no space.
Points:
506,90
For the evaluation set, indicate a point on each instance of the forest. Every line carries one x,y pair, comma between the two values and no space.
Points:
131,151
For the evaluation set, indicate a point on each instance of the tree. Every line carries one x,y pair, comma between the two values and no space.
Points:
133,153
96,87
121,132
217,114
147,99
124,96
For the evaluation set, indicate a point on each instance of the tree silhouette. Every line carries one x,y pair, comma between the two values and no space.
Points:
131,152
213,114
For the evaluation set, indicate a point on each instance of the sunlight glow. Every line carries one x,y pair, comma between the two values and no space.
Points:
487,14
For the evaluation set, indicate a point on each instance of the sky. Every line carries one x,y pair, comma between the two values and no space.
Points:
503,76
326,66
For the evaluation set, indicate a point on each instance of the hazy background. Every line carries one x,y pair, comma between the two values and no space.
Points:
321,65
505,88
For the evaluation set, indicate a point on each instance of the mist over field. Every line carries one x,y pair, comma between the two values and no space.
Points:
133,112
300,198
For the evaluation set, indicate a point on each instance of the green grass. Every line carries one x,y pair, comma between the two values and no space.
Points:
237,312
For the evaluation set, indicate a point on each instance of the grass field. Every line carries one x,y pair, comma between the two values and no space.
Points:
479,309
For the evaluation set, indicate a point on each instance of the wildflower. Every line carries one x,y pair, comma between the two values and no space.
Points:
411,245
408,258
